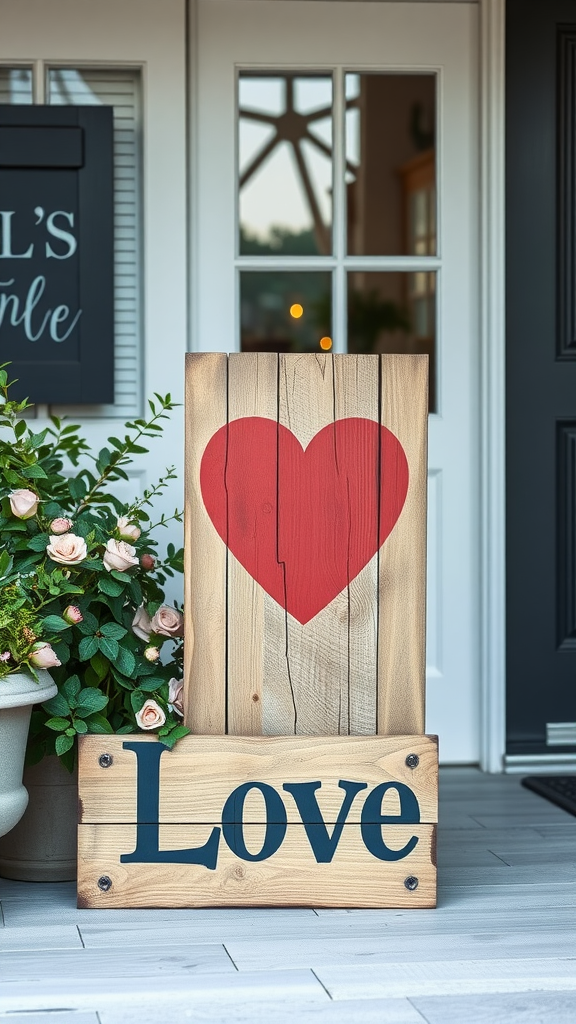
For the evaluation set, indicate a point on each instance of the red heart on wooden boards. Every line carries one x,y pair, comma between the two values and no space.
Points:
303,522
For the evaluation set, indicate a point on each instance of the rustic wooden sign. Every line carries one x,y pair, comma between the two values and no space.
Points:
257,821
305,543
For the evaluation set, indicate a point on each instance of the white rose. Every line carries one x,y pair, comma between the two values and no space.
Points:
167,622
67,549
126,529
141,623
119,555
150,716
23,503
176,695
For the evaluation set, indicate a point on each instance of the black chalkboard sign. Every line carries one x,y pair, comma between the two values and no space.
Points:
56,252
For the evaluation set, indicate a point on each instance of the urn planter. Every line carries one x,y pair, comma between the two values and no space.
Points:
18,692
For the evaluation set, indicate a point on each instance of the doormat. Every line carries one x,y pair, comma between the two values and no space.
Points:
559,789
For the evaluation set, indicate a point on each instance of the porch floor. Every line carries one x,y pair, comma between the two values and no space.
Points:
500,948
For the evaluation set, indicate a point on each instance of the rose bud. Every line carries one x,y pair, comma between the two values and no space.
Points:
150,716
68,549
72,615
168,622
152,653
147,562
119,555
141,624
126,529
175,696
44,656
23,503
61,525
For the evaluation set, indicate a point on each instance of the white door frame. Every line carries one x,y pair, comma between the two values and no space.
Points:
492,365
492,385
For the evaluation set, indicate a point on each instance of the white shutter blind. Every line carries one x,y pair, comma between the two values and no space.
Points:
121,90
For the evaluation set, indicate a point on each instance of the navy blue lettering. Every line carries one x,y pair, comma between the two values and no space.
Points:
233,821
323,845
372,820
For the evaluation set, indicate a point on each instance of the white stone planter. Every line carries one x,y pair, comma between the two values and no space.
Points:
18,692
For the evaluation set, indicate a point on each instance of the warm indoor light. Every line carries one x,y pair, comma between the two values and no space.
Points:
326,344
296,310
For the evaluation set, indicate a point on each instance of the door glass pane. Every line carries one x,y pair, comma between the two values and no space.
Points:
285,164
394,312
391,164
285,311
15,85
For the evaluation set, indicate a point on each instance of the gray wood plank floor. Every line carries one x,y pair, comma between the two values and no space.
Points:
500,948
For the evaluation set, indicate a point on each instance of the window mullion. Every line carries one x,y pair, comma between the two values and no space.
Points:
339,215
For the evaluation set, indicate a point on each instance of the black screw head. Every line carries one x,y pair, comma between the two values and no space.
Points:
412,760
104,883
105,760
411,883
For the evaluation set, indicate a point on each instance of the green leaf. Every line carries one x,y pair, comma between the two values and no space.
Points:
100,666
99,724
174,735
57,724
113,631
80,726
138,700
34,472
38,542
110,587
87,648
62,652
149,685
109,648
90,700
55,624
71,689
125,662
89,624
77,488
64,743
57,705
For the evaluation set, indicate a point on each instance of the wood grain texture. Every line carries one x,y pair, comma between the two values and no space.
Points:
200,773
402,559
252,391
291,877
205,554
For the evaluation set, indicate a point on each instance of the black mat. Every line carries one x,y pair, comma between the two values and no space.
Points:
559,789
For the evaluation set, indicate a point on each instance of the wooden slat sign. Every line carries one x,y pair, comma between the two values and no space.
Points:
257,821
305,543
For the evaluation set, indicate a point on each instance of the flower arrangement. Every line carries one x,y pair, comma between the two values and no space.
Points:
81,583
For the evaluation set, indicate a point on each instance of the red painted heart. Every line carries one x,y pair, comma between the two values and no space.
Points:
303,522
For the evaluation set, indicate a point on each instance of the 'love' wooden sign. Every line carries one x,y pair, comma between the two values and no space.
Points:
305,543
257,821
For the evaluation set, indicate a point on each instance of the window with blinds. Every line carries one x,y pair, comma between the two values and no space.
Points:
121,89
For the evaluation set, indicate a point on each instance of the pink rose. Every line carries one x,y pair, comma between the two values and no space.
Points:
44,656
152,653
61,525
67,549
176,695
119,555
126,529
150,716
167,622
147,562
24,503
141,623
73,615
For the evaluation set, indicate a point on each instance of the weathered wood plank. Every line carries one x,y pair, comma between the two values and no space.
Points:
252,391
200,773
402,559
205,554
290,877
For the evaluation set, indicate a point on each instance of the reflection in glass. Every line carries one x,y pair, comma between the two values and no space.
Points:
16,85
394,312
285,164
391,164
285,311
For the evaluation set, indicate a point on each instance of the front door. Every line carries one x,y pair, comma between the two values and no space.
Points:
335,158
541,379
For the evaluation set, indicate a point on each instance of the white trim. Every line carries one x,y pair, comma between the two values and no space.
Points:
492,397
542,764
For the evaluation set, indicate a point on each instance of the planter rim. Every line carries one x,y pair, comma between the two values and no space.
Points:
19,689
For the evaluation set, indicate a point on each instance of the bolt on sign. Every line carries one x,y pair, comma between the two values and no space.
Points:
307,780
57,252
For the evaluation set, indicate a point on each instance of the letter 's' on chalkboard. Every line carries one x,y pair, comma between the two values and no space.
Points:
56,252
